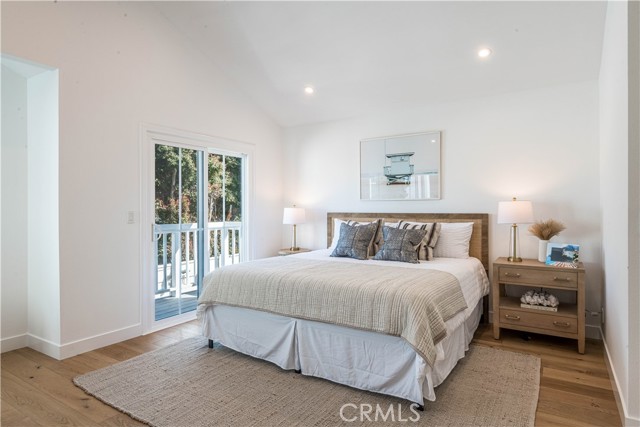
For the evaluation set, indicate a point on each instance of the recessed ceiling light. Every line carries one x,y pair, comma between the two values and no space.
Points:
484,52
309,90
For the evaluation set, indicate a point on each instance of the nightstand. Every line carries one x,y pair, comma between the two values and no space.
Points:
288,251
567,322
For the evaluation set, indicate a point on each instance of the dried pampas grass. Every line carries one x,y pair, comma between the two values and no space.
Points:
545,230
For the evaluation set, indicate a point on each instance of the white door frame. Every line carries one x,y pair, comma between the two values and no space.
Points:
149,136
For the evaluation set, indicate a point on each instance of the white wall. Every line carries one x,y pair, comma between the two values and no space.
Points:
619,203
634,142
633,302
43,256
121,64
14,206
538,145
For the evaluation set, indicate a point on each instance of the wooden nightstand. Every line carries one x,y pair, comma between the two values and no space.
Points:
288,251
567,322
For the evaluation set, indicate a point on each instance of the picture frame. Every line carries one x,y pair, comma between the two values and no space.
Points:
401,167
563,255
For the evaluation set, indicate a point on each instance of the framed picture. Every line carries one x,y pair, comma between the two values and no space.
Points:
401,167
563,255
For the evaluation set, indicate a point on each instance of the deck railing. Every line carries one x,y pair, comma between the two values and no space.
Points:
177,248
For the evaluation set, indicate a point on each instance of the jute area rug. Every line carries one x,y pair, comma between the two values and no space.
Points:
188,384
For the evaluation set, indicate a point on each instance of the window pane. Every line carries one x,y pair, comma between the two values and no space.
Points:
215,188
233,187
167,184
189,186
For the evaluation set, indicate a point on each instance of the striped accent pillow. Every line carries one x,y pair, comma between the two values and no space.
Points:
425,250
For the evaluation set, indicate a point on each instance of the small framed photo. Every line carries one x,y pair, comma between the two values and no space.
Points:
563,255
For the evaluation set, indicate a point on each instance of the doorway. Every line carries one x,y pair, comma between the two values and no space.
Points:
197,207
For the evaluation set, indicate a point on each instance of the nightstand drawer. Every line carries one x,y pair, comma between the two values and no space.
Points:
568,279
539,320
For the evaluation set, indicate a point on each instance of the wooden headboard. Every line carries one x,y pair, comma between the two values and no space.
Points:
478,247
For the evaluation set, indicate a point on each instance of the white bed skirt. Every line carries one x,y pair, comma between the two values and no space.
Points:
360,359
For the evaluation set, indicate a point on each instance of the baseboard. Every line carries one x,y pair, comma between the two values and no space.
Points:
43,346
97,341
71,349
620,402
13,343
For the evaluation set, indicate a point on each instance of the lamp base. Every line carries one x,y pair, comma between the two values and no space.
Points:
294,249
514,245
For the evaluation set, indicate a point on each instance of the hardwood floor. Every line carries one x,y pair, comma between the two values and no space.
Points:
575,389
37,390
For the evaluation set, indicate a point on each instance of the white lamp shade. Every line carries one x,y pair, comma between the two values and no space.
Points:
293,216
515,212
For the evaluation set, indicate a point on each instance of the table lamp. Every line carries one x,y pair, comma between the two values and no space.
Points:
515,212
293,216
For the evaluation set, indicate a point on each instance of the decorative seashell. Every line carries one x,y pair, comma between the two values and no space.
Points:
542,298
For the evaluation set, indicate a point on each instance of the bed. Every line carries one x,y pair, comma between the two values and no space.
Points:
367,358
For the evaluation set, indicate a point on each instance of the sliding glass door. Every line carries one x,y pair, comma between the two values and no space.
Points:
198,222
178,230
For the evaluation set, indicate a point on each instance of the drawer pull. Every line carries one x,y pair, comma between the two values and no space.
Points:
512,275
562,324
511,317
561,279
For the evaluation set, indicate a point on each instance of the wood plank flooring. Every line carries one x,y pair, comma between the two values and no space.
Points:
575,389
37,390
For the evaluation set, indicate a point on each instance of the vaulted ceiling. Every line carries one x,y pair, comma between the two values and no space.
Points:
363,57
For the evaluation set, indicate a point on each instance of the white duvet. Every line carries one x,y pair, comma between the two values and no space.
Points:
360,359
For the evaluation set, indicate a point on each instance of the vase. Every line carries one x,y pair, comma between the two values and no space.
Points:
542,250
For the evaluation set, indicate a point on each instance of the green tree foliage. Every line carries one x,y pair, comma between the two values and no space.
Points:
225,184
224,188
168,180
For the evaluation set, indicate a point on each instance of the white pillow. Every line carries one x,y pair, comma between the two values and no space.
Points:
453,241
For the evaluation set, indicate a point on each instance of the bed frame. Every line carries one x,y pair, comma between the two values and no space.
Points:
478,246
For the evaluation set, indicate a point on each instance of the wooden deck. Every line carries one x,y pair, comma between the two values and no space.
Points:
171,306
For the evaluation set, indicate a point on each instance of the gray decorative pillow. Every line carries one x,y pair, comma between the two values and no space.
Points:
376,239
400,244
425,250
354,240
